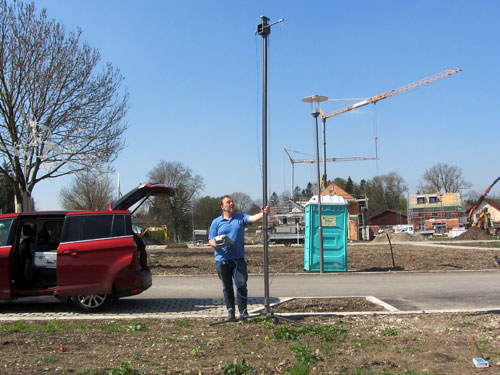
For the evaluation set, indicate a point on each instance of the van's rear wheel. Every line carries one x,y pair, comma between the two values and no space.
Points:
92,302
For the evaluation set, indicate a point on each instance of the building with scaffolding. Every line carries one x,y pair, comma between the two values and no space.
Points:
436,213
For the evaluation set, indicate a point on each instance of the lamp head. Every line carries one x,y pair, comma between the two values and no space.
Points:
315,100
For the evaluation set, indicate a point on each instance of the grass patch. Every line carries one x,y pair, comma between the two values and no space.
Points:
365,343
390,332
237,368
299,369
303,354
125,368
197,351
63,326
408,349
136,326
49,358
266,321
321,331
183,322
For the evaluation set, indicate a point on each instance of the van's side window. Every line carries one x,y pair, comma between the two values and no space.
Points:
92,227
5,235
128,225
118,225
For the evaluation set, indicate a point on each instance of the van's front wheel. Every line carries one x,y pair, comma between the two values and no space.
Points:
92,302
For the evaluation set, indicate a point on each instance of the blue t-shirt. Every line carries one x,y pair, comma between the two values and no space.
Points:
233,228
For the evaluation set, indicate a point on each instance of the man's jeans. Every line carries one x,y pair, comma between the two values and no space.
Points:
234,269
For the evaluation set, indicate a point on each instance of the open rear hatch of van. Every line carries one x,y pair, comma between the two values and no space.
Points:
143,191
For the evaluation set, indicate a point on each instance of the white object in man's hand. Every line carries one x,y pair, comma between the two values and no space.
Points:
222,240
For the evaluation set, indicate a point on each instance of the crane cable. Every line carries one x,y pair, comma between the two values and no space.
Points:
375,134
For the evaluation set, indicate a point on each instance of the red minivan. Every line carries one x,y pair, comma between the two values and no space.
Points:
87,257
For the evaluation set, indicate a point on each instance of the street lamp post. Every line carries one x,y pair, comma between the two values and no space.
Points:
315,100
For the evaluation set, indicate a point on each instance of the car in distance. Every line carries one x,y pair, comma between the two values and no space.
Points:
87,257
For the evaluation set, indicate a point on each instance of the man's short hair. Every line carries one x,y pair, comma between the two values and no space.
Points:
221,199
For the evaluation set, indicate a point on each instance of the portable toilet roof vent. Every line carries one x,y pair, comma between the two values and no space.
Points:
327,199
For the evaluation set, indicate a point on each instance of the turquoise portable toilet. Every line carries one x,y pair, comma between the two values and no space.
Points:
334,223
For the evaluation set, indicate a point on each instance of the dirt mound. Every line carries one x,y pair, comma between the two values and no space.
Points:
402,236
474,233
255,238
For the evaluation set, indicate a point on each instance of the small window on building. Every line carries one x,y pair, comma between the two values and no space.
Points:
433,200
448,215
420,200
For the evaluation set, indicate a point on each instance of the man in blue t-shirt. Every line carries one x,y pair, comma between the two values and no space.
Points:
227,237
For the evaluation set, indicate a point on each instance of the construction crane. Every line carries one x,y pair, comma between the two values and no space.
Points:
311,161
388,94
377,98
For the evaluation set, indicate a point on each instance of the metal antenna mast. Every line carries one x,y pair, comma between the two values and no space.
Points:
264,29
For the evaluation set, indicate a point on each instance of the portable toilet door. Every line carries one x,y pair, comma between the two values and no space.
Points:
334,223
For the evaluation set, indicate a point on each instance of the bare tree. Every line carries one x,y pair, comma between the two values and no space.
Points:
443,178
177,210
61,110
87,192
242,201
285,197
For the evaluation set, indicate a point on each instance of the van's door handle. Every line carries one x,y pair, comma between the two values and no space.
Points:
73,253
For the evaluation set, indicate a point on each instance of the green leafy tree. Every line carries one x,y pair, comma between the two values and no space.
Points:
206,209
308,192
254,208
61,109
297,194
386,192
349,186
360,189
274,200
341,182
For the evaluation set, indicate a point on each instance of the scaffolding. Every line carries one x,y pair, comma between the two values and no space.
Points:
436,213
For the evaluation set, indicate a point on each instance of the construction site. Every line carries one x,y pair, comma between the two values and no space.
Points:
436,214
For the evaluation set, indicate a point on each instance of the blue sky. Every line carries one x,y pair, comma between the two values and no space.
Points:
194,71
